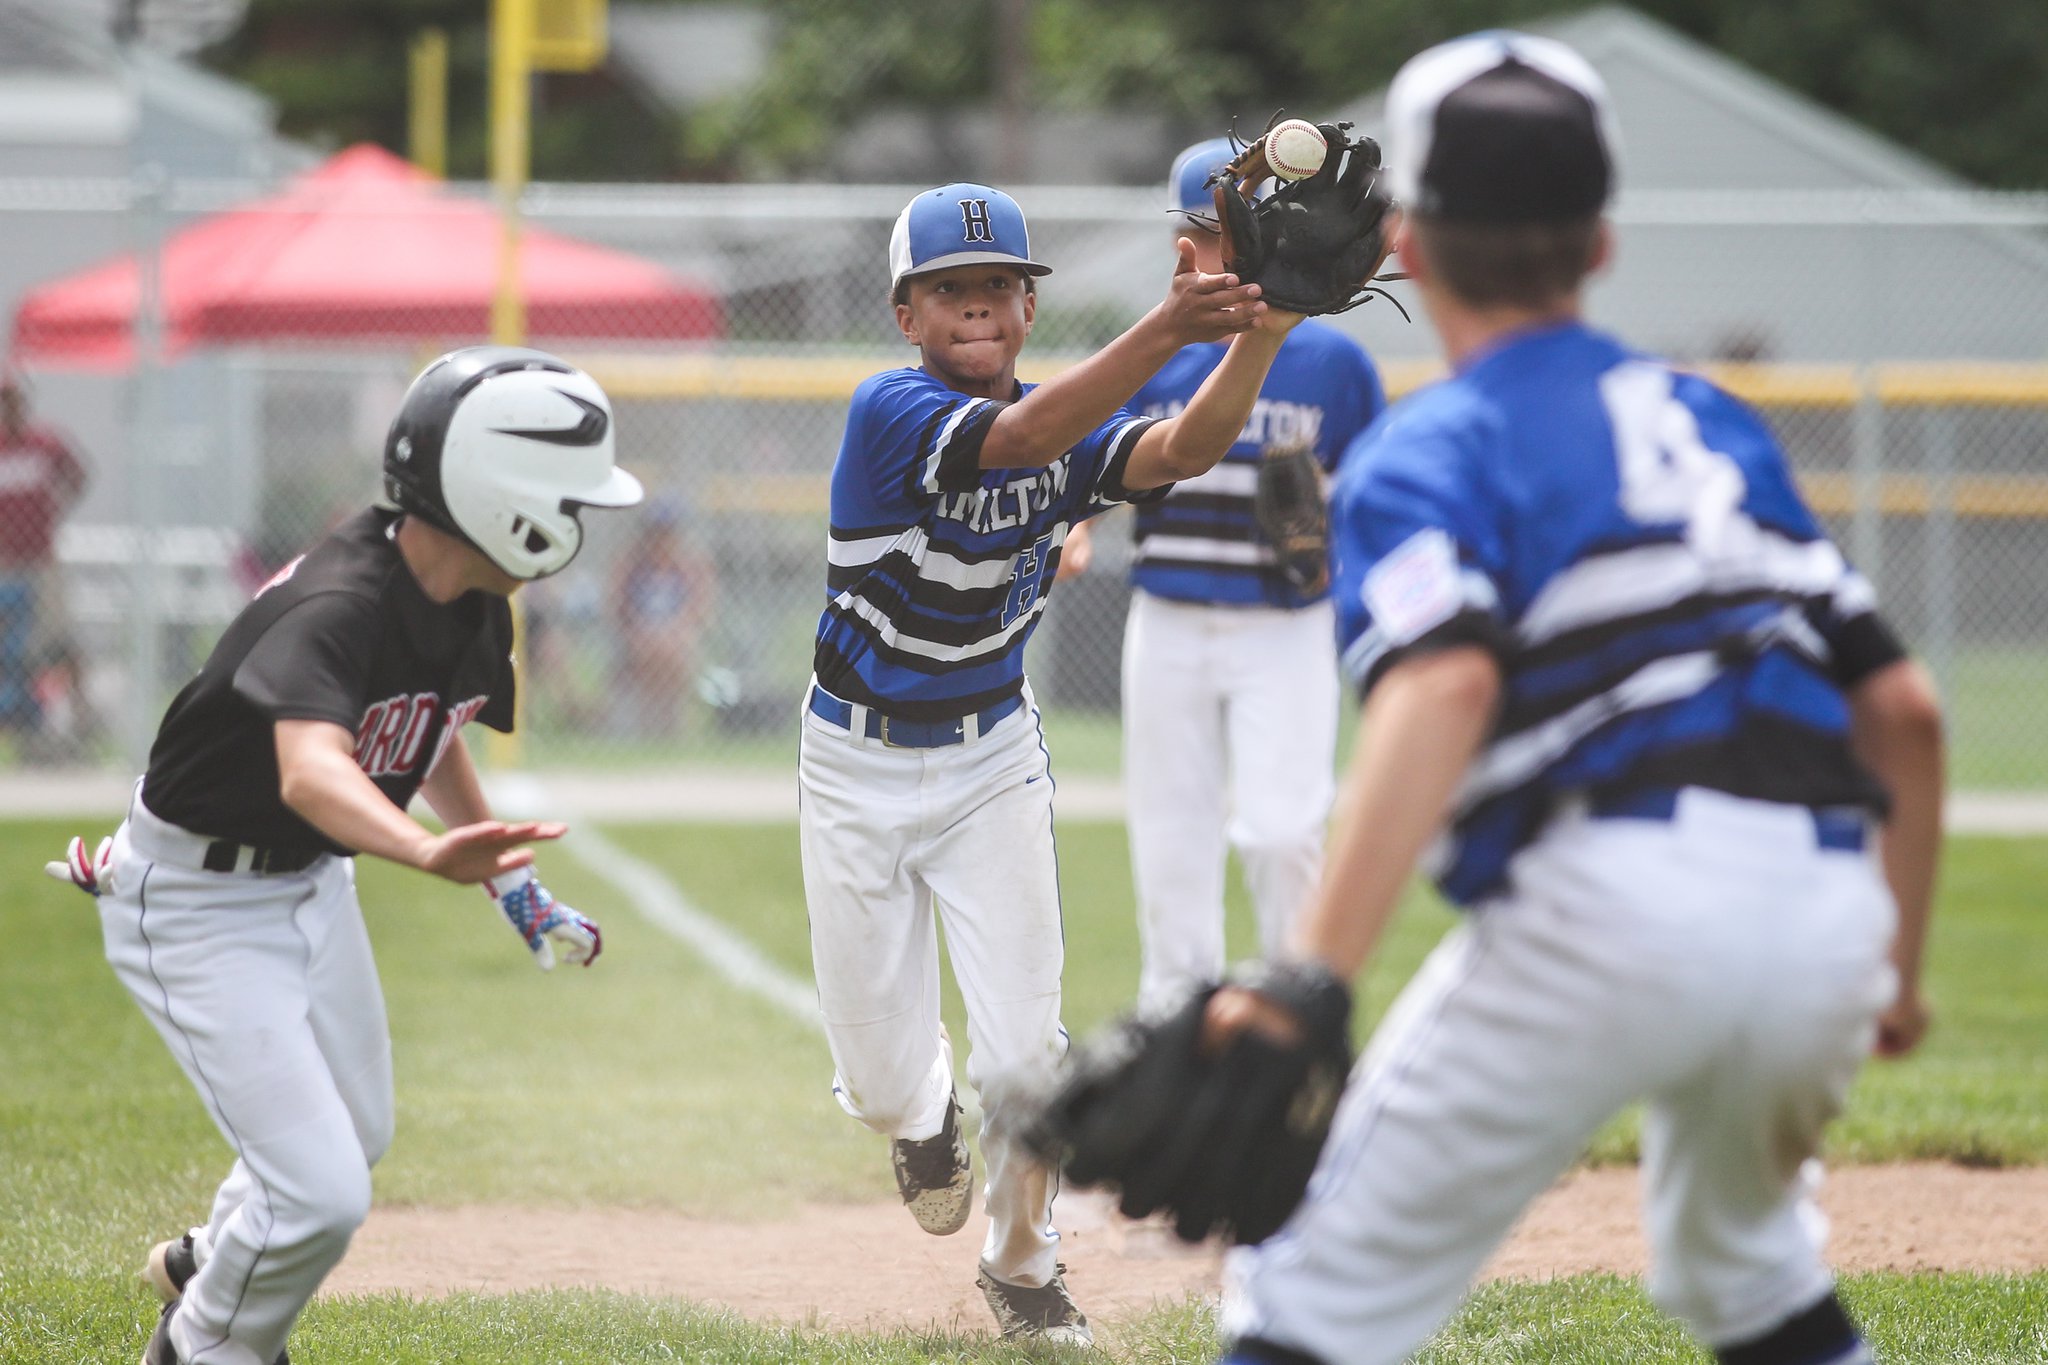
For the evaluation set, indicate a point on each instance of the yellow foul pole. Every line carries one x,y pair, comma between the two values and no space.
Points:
511,64
427,114
512,25
527,35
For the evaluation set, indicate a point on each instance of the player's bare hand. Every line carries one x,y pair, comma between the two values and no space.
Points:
469,854
1234,1011
1077,554
1204,307
1901,1027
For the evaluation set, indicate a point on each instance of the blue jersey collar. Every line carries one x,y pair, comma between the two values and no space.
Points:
1521,336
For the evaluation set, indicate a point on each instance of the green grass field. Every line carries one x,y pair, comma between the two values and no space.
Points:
660,1085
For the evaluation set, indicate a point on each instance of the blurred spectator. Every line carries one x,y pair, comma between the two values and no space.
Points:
39,481
663,588
555,621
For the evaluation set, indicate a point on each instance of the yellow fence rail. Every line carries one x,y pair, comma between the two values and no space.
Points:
829,379
833,378
2011,497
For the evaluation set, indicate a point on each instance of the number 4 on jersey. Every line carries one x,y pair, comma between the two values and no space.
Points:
1667,472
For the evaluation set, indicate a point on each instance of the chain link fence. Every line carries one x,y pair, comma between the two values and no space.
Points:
188,418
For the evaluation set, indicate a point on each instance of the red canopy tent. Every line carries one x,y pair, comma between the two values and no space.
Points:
366,247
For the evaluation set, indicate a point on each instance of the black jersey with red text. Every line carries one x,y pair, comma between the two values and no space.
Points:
345,634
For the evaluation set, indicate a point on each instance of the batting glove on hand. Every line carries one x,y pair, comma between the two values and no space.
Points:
550,928
87,874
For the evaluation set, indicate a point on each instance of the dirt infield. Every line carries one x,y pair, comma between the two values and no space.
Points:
847,1266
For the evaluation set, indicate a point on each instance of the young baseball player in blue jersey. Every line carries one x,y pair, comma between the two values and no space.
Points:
1230,667
1602,640
924,778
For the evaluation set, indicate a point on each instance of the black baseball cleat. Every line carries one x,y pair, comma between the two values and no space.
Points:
1046,1313
934,1175
160,1351
170,1267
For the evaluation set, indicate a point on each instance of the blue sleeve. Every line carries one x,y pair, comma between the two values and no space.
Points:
909,439
1860,641
1175,382
1099,459
1356,398
1731,427
1152,391
1418,564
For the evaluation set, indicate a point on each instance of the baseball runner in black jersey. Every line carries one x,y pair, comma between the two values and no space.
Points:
227,897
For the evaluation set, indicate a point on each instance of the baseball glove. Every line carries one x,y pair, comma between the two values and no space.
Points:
1225,1143
1288,507
1314,245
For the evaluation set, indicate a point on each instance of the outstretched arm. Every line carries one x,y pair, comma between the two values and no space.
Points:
551,930
1198,438
453,789
1046,422
1421,726
1896,726
319,780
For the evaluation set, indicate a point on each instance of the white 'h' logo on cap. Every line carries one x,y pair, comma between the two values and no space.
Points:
974,221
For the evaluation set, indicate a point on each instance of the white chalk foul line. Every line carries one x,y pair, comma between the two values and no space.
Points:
664,906
730,955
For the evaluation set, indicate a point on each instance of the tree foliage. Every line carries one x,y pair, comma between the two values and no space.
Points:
1964,82
339,73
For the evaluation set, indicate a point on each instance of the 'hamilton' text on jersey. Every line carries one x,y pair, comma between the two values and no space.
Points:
1015,503
937,570
1203,543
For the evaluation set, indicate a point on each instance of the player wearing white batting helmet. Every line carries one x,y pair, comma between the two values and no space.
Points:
1615,673
503,447
227,898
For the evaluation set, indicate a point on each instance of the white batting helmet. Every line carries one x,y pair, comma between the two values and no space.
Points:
504,447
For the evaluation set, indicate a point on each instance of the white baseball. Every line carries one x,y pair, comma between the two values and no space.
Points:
1295,148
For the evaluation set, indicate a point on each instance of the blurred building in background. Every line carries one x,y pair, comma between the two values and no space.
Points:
1699,131
1883,315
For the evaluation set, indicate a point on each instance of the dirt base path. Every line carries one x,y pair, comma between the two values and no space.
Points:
851,1266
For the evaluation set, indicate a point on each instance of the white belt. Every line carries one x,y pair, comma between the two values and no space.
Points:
163,842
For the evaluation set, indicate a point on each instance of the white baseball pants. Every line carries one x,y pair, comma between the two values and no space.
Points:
265,990
889,835
1230,727
1719,965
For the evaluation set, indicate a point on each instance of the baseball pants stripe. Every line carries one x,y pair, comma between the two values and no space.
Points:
265,991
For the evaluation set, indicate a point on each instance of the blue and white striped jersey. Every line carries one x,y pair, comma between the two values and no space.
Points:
1200,544
936,569
1628,541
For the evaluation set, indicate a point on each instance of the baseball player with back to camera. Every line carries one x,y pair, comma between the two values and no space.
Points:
1230,686
227,898
1595,625
924,778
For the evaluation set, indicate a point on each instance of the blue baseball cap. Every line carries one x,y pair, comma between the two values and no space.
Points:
1187,184
960,224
